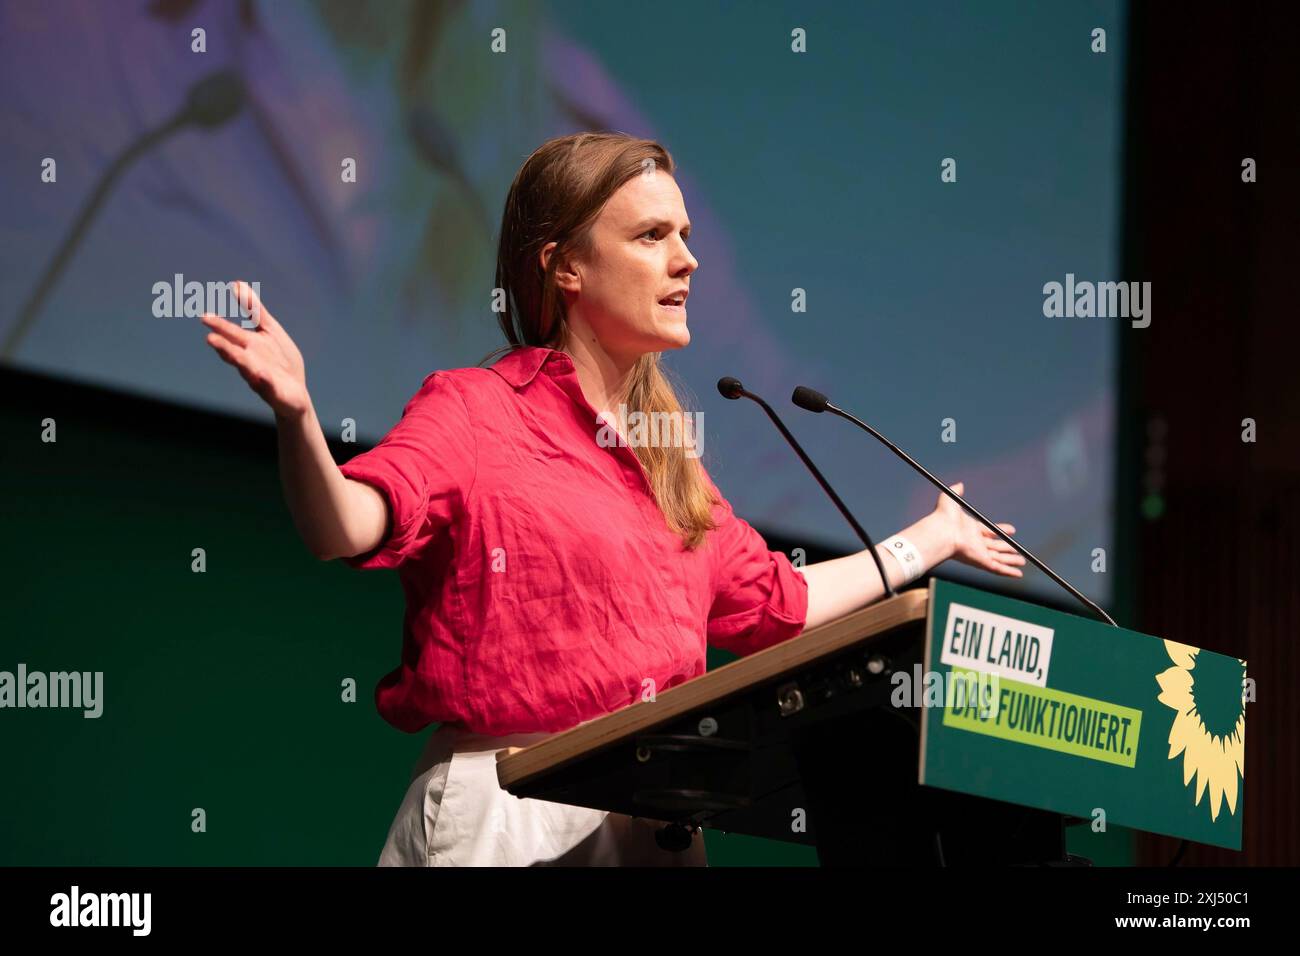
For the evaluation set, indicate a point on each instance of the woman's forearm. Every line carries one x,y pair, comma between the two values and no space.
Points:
842,585
335,516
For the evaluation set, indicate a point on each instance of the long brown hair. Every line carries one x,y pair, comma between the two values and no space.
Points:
557,196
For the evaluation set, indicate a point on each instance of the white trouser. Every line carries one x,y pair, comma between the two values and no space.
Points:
456,814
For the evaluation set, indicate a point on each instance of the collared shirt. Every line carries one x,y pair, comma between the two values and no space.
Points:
543,585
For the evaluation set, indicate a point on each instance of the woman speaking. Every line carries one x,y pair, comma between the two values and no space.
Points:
552,576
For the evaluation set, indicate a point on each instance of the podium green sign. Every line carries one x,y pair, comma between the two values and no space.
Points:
1046,709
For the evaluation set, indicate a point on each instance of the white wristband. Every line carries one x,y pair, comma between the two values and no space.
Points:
907,556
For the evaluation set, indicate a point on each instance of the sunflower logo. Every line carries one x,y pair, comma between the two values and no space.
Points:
1205,692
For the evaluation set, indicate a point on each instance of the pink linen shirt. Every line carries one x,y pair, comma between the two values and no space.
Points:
543,585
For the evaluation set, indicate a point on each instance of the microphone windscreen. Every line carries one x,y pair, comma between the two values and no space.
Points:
810,399
215,99
729,387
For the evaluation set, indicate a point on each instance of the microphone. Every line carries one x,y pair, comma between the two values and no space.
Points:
814,401
731,388
212,101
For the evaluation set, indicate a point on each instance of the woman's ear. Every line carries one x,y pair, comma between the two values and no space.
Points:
566,277
544,257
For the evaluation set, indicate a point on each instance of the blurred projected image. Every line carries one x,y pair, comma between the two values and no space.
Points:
888,246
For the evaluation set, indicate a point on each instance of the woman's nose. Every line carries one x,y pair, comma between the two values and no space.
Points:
688,263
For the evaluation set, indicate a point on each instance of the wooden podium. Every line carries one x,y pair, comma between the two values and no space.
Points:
798,743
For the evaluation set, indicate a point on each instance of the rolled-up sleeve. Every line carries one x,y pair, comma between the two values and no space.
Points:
424,467
759,598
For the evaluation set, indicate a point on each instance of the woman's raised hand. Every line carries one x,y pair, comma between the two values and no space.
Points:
264,355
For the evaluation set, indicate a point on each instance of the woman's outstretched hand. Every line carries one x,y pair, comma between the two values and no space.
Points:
265,355
974,544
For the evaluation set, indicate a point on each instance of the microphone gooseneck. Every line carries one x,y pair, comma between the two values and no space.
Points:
210,102
730,388
815,401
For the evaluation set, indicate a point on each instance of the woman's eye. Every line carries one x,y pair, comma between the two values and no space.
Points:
654,233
